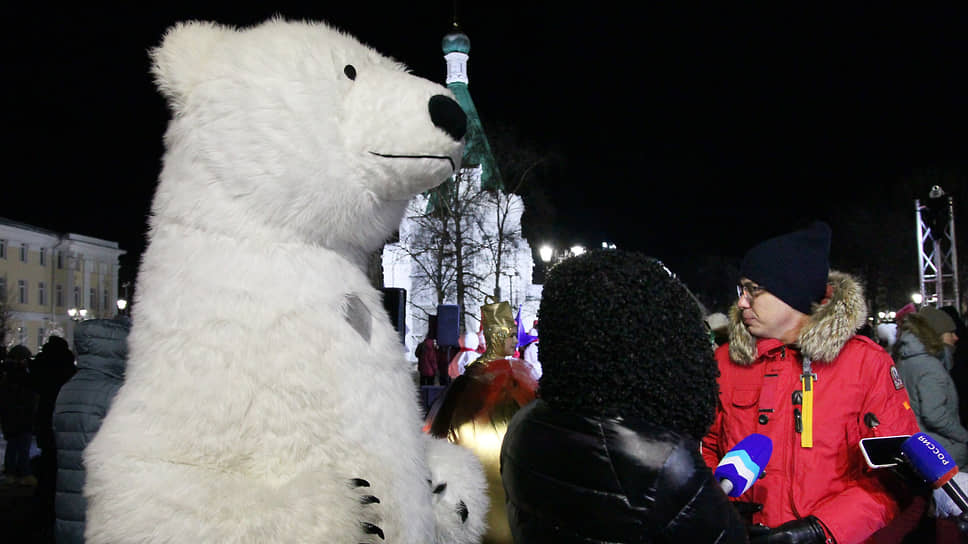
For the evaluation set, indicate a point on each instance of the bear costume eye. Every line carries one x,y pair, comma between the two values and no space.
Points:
349,71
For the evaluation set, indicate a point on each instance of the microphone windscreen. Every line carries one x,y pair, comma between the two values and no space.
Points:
929,458
743,464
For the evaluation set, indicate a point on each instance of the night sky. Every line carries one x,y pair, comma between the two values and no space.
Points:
675,130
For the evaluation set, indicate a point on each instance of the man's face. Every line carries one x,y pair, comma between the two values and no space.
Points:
766,316
949,338
510,344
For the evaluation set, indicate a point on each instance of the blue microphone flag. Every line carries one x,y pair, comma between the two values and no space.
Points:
743,464
930,459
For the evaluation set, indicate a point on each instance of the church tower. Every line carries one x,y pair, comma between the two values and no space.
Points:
433,249
477,151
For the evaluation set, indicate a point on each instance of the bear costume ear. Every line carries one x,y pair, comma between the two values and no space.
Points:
179,63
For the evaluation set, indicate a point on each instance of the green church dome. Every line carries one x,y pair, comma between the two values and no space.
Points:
456,41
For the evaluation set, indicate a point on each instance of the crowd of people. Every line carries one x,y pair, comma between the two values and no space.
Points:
614,436
29,388
439,364
642,396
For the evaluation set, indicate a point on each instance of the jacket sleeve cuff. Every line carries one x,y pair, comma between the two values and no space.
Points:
828,536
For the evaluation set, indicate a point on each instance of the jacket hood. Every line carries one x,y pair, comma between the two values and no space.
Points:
917,336
831,323
909,345
102,344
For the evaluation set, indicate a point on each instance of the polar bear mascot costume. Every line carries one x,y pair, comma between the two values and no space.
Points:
267,397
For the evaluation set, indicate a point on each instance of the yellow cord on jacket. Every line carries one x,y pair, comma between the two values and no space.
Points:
806,437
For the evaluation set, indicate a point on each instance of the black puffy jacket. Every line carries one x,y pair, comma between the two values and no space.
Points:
573,478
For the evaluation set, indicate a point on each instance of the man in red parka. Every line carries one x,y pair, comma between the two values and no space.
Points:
794,370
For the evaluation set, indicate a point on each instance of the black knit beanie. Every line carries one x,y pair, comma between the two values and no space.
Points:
793,267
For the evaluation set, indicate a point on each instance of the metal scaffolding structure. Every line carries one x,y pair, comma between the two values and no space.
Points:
937,251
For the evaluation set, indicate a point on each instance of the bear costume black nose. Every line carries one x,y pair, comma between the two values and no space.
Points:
446,113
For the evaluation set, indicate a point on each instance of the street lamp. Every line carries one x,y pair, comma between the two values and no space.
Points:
916,298
122,304
546,253
77,314
552,256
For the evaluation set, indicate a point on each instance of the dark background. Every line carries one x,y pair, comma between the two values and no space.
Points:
685,132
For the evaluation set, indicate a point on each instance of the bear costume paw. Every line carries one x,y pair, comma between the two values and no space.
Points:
370,503
459,490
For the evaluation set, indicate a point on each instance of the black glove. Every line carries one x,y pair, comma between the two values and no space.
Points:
799,531
747,509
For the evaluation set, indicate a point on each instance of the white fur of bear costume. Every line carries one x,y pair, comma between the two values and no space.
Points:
265,382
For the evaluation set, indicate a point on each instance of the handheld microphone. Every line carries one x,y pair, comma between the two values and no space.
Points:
743,464
935,465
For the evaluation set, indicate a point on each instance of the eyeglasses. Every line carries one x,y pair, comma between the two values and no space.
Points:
749,289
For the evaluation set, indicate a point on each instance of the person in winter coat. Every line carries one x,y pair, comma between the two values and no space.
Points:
18,402
959,357
50,370
944,326
609,452
932,392
102,352
795,371
426,354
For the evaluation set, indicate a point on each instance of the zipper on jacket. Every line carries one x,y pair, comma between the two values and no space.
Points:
797,400
807,379
797,416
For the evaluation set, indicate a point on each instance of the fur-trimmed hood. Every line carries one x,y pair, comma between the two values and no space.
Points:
916,336
832,323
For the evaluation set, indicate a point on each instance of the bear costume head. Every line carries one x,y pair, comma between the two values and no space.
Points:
267,397
298,133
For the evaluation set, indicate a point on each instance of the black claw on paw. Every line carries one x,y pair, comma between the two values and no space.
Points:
368,499
359,482
371,529
462,511
440,488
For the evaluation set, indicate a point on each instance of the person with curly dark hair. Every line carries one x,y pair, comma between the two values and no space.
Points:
609,452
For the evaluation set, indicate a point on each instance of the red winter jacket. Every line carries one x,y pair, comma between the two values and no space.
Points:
855,377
